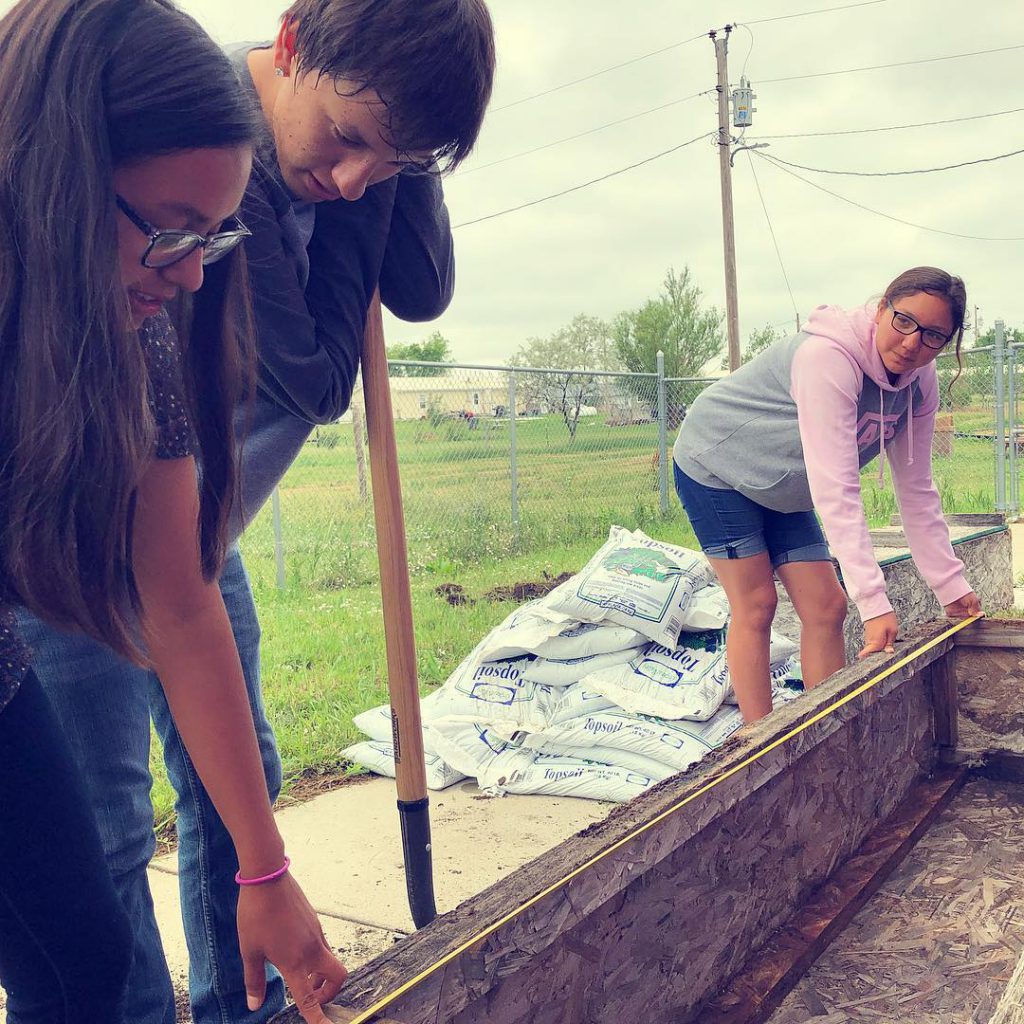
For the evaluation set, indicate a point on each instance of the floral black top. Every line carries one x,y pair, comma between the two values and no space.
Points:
175,440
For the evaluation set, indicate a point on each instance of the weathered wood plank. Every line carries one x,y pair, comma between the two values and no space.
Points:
945,705
755,993
1008,633
712,860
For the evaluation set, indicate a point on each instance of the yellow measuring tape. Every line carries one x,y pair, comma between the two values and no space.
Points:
367,1015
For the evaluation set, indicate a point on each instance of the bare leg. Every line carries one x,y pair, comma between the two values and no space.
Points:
820,603
749,586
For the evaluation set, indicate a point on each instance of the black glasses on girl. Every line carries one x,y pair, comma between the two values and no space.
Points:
167,247
906,324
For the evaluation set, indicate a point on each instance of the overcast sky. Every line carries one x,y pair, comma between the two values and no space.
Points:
606,248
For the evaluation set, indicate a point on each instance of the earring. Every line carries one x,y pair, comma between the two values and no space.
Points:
279,72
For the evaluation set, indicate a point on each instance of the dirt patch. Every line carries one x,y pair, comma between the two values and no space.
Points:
529,590
454,594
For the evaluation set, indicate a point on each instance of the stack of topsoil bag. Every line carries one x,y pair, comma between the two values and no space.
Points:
613,681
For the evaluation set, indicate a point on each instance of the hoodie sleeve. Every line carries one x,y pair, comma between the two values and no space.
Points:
417,278
826,384
920,505
310,332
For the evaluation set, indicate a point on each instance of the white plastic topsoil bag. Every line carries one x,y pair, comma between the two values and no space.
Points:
536,628
559,672
379,757
469,747
376,723
708,609
643,584
688,681
492,692
573,701
589,639
676,745
522,771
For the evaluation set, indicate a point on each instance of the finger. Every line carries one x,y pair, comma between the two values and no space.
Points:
307,1001
869,648
333,974
255,973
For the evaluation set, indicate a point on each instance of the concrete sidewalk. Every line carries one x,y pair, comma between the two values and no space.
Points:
346,853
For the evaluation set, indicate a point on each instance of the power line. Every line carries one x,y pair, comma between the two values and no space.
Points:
806,14
897,64
879,213
887,128
895,174
673,46
597,74
771,231
586,184
580,135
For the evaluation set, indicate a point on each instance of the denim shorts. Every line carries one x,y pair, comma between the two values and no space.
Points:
730,525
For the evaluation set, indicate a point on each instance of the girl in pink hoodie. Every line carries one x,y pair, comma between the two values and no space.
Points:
786,436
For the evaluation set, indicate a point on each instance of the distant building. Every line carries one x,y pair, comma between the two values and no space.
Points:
481,392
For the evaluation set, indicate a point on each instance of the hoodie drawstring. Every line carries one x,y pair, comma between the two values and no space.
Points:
910,425
910,433
881,438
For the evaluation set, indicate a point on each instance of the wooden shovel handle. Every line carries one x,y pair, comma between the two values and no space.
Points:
394,566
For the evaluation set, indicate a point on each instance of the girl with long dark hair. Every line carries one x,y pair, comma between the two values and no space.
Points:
125,147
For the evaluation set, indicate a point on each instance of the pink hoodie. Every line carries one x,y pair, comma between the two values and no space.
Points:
840,430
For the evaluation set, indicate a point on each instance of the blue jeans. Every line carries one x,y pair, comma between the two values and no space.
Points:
104,705
65,940
730,525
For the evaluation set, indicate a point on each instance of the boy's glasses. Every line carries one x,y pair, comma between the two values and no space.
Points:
169,247
906,324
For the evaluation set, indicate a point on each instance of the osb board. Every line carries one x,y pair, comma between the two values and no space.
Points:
990,682
939,943
676,933
770,975
566,921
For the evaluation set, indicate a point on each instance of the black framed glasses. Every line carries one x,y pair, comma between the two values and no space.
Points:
167,247
906,324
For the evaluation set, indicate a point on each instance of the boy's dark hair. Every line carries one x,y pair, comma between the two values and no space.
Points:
88,87
430,61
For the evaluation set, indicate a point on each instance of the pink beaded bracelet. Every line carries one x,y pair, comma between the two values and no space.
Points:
273,876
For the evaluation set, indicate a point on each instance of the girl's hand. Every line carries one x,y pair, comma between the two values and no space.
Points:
964,607
277,923
880,634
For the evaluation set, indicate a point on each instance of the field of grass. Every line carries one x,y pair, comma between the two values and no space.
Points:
323,647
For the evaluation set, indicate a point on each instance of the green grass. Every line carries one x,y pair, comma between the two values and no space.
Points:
323,652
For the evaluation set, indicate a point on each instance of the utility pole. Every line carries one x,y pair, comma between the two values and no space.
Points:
725,164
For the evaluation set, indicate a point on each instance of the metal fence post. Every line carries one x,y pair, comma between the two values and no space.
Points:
275,502
513,467
662,436
999,437
1011,427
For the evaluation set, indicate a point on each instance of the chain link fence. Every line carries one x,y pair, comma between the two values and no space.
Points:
494,461
500,461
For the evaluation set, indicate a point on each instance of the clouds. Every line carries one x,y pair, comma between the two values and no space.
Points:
607,247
